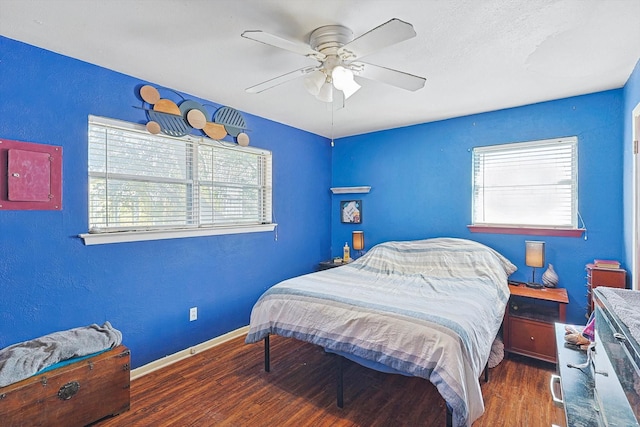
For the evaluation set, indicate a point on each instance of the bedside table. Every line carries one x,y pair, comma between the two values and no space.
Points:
325,265
529,319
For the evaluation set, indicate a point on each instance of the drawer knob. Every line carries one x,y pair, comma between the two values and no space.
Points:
532,339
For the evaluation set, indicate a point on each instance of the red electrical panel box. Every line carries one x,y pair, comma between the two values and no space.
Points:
30,176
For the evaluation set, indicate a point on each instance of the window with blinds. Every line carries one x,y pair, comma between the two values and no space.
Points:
527,184
141,181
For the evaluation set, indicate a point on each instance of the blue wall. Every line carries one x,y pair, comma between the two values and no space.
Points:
421,182
631,100
50,281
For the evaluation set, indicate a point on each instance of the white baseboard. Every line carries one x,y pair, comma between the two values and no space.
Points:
188,352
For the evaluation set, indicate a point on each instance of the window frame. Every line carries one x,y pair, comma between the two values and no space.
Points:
564,230
117,235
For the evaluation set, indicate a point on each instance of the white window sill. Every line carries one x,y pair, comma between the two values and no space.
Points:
139,236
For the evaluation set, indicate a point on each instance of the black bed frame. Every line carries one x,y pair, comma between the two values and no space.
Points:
340,378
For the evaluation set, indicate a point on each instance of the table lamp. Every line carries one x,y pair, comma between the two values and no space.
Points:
534,257
357,241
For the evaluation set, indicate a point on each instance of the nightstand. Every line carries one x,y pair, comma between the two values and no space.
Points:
325,265
528,327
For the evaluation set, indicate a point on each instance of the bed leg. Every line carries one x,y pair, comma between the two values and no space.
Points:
267,357
449,422
340,381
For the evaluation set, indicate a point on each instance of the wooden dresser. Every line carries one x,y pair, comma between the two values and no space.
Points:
601,276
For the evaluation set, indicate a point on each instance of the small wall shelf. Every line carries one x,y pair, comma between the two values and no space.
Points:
350,190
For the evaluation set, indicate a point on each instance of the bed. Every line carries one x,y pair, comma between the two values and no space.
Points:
428,308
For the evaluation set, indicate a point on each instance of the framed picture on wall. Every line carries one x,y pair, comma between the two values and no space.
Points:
351,211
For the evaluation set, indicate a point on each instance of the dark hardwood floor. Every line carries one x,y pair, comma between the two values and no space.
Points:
227,386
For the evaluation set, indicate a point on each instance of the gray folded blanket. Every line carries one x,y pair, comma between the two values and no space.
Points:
22,360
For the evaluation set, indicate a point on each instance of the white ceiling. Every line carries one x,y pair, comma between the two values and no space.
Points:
477,55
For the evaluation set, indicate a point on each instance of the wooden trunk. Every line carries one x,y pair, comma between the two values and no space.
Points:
76,394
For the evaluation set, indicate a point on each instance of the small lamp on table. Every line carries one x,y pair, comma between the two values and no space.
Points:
534,257
357,241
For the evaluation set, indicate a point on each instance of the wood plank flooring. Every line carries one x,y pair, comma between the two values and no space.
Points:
227,386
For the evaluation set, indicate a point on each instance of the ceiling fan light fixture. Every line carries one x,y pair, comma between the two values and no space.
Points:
343,80
341,77
326,93
314,81
351,88
338,52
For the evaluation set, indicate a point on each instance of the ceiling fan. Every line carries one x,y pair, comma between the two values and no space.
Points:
339,55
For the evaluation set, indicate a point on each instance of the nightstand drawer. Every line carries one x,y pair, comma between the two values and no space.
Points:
532,338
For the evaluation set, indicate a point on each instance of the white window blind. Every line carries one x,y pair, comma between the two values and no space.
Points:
141,181
527,184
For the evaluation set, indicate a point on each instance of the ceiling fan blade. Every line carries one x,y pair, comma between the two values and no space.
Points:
387,34
392,77
260,87
282,43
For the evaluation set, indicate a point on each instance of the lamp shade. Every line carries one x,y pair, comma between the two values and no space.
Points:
357,240
350,88
326,93
534,253
343,80
341,77
314,81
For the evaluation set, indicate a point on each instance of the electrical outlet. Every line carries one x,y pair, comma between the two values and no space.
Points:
193,314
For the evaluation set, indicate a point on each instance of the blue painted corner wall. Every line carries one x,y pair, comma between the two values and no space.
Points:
51,281
420,178
421,187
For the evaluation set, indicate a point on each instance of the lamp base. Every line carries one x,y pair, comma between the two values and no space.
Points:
534,285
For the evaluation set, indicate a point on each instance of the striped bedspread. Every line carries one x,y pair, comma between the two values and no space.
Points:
428,308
